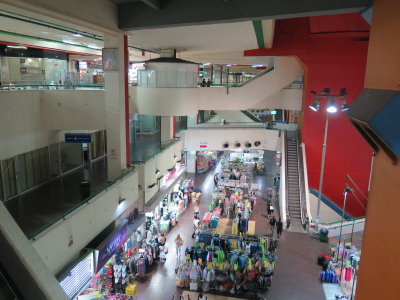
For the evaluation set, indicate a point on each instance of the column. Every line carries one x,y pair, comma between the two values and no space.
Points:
115,110
167,127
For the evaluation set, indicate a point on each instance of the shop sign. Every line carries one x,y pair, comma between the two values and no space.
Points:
203,144
111,247
74,280
78,138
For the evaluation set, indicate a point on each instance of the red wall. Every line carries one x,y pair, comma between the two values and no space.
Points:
332,60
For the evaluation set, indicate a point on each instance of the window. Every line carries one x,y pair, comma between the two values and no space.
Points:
8,176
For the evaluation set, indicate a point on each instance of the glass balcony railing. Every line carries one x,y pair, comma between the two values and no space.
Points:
89,86
88,197
162,148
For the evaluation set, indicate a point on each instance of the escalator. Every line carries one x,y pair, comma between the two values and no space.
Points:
295,189
251,116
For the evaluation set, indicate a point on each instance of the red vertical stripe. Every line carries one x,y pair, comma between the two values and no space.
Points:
174,126
126,67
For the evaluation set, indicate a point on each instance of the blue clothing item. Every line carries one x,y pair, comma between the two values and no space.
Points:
129,244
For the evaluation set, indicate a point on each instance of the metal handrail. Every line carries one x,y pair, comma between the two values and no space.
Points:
303,204
286,174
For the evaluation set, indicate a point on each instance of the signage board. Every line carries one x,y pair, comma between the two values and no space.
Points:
110,247
78,138
74,280
203,144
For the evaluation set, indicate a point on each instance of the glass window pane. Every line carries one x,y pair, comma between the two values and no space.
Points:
71,156
43,164
22,180
29,170
54,161
9,185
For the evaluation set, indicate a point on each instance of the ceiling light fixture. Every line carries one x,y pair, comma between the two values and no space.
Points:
256,66
157,171
229,65
331,108
206,63
121,200
17,47
77,34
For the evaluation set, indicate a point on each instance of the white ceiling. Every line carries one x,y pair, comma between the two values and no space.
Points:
215,43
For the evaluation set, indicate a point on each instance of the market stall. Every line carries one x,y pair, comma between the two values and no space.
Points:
228,265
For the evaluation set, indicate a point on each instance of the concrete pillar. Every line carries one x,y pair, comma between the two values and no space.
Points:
142,187
167,127
23,264
191,162
115,109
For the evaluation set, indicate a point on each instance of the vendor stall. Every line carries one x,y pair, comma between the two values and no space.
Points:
227,265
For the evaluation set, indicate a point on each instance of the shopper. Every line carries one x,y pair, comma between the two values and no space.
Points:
196,210
196,222
216,179
269,206
201,297
203,83
270,192
272,224
178,244
208,82
279,228
162,240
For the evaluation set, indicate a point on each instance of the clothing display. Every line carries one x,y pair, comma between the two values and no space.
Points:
224,264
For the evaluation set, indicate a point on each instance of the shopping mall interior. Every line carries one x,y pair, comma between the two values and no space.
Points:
223,149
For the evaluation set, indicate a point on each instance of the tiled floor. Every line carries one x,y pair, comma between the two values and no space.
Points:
296,276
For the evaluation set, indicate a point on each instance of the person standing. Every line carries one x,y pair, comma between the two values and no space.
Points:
208,82
203,83
178,244
196,211
269,210
279,228
272,224
216,179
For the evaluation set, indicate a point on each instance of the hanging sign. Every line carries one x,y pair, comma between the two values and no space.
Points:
78,138
203,144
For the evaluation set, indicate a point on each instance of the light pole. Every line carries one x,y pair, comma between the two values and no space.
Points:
330,109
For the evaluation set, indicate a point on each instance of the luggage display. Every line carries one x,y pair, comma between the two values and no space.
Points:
322,276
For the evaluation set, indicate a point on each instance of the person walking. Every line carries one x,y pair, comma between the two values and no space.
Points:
279,228
178,244
270,192
203,83
269,206
196,210
272,224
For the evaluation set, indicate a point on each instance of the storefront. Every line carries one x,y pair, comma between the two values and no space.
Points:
205,160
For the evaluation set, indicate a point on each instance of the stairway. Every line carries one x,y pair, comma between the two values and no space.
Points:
293,191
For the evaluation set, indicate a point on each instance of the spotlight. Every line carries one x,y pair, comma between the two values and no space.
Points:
120,200
237,144
248,144
344,106
257,143
77,34
157,171
225,145
331,107
315,106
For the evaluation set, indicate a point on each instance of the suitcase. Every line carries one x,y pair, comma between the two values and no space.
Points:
131,289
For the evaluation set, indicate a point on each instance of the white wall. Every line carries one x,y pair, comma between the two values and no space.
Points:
187,101
216,137
84,224
162,161
71,109
31,119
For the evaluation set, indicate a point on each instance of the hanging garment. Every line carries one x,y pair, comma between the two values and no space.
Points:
349,273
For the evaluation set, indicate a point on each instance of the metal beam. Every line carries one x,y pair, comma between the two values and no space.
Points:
190,12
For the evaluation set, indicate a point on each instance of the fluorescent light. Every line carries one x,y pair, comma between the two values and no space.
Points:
44,32
77,34
206,63
331,107
17,47
255,66
229,65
